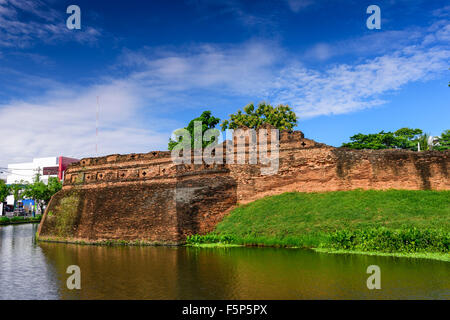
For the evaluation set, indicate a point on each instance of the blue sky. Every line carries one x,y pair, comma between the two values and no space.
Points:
157,64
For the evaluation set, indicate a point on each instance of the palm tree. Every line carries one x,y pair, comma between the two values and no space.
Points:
426,142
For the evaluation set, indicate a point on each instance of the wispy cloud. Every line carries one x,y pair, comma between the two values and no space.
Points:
344,88
45,24
243,69
251,14
155,83
63,123
393,59
369,45
442,12
298,5
347,88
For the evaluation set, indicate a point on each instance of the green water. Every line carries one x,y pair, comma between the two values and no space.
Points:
30,270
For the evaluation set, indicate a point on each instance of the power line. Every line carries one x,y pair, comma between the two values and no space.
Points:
17,174
11,171
4,168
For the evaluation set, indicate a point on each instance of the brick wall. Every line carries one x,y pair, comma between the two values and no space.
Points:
147,197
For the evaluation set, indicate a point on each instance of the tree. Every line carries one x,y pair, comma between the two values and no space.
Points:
424,142
54,185
404,138
444,141
16,190
208,122
282,117
36,190
407,138
41,192
4,191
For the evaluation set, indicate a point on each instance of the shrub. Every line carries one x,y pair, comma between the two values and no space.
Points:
385,240
209,238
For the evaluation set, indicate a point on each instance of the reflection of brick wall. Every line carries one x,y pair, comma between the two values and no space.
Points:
148,197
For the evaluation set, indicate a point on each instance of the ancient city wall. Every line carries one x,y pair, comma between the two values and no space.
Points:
308,166
147,197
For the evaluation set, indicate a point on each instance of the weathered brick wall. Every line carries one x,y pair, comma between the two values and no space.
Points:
143,197
147,197
307,166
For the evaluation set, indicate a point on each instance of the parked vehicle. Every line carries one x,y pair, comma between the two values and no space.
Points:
19,211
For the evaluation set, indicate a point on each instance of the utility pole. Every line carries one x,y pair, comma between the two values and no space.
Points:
96,128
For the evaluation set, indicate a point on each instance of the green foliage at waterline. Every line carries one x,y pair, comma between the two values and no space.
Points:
382,240
385,240
372,220
14,220
210,238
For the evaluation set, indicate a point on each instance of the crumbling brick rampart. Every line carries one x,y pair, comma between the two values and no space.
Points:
147,197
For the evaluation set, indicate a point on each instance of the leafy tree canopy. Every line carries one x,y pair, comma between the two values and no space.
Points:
4,190
208,122
54,185
282,117
16,190
444,141
404,138
41,191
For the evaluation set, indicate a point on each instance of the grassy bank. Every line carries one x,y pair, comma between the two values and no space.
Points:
17,220
387,222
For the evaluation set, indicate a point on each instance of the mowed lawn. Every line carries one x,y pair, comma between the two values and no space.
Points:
304,218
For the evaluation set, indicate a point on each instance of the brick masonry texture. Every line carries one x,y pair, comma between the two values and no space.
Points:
148,198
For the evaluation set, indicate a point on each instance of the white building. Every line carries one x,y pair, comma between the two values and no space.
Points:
27,171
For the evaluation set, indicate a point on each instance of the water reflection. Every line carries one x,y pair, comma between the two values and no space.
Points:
30,271
24,271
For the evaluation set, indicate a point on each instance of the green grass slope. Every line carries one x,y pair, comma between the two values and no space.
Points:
358,220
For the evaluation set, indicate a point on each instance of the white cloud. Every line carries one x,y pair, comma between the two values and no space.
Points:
244,69
400,57
64,124
346,88
158,83
155,83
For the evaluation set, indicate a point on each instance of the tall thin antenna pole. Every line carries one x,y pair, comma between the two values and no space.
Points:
96,128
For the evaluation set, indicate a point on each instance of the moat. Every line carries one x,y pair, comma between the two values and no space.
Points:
36,270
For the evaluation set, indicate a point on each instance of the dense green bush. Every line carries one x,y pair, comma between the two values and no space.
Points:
209,238
6,220
385,240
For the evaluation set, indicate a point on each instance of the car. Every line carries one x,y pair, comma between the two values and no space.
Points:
20,212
